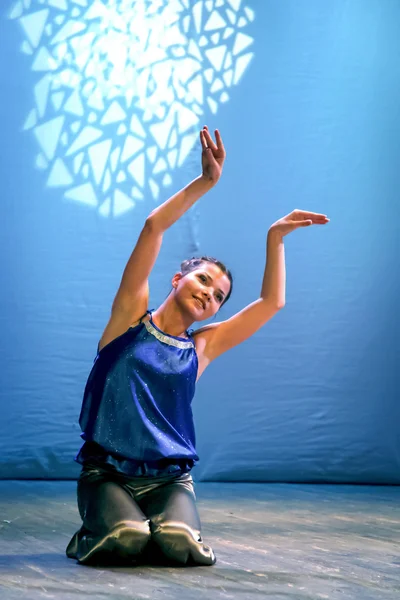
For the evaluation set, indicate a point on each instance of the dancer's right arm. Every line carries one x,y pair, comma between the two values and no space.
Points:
131,300
132,296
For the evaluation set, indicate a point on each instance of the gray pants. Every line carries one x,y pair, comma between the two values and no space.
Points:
137,519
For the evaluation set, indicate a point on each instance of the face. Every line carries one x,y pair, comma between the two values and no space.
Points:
202,291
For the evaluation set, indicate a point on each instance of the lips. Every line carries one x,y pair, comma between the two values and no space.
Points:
200,302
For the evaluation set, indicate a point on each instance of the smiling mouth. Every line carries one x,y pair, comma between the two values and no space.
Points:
200,302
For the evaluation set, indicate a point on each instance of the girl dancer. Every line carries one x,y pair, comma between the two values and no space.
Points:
135,492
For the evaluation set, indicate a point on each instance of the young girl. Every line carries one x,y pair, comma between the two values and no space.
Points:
135,492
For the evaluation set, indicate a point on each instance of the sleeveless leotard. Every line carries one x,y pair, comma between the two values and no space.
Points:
136,413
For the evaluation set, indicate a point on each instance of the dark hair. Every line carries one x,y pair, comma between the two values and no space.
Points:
193,263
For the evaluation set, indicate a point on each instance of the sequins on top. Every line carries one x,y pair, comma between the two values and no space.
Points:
136,412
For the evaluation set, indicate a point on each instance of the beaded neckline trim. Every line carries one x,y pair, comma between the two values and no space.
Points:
166,338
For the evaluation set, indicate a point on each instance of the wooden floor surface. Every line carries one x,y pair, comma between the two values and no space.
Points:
271,540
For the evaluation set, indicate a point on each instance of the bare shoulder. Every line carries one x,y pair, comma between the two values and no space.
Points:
118,324
126,309
215,339
203,335
202,339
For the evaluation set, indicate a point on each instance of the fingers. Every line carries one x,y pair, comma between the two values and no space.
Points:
215,147
314,218
307,222
305,214
297,224
203,140
220,143
319,220
210,142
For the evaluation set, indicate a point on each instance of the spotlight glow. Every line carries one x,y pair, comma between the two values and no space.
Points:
121,88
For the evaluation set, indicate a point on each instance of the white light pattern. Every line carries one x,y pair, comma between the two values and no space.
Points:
121,87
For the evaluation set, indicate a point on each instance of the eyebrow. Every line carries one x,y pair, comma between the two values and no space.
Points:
209,277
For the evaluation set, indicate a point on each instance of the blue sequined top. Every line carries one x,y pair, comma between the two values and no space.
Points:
136,413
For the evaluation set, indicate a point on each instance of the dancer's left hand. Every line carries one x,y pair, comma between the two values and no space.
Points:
296,219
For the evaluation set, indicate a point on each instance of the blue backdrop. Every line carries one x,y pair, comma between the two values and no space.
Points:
100,104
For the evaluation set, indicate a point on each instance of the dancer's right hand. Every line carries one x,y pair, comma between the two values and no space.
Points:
213,155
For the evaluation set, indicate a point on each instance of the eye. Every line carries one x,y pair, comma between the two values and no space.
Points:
203,278
219,298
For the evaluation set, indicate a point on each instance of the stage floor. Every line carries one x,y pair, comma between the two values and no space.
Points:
271,541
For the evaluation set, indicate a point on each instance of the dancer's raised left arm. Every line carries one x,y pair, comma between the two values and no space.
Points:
216,338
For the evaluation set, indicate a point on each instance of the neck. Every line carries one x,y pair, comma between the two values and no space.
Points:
170,319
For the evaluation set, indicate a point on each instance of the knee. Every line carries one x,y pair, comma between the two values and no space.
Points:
177,540
129,538
176,531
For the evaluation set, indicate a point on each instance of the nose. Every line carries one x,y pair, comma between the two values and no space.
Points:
206,294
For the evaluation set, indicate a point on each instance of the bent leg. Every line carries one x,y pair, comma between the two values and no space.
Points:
114,528
175,523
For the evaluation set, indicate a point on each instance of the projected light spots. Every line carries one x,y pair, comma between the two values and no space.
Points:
123,86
